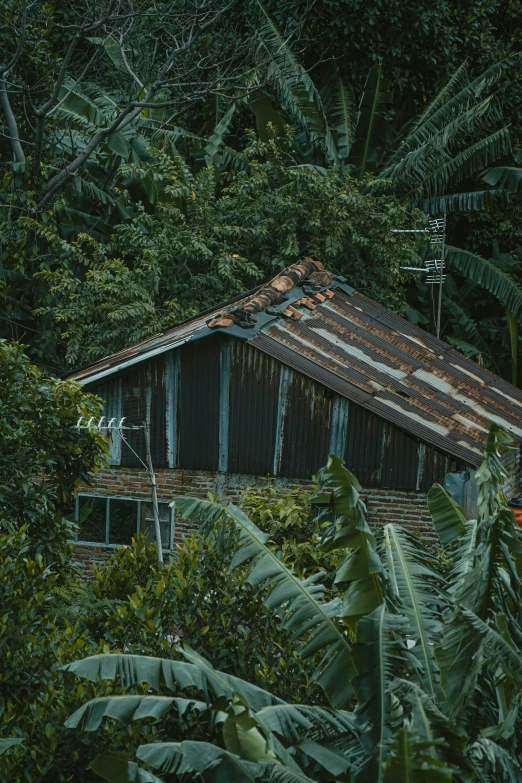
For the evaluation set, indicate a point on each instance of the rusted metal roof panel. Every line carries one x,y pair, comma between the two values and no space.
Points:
358,349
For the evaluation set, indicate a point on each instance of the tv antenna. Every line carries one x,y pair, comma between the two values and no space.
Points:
117,425
433,267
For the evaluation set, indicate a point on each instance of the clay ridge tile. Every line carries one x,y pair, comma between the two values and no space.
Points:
273,293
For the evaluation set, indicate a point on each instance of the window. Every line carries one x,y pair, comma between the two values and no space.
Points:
113,521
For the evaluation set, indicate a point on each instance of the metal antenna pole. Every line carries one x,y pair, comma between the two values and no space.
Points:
441,275
155,510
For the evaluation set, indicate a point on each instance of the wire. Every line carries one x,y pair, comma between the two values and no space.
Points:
30,329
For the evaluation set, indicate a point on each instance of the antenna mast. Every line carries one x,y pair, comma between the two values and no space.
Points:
433,267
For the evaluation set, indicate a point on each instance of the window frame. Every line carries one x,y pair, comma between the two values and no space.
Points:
108,499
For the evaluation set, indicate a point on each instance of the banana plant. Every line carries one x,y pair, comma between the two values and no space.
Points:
421,662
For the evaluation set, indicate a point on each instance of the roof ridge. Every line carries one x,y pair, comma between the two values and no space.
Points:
306,270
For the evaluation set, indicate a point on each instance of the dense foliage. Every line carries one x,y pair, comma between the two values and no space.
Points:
422,669
43,456
131,605
134,192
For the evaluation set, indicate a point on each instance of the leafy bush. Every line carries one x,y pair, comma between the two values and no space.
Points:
422,671
34,699
43,457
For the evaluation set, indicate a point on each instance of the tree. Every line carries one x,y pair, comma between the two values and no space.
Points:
43,456
204,243
76,84
422,670
441,161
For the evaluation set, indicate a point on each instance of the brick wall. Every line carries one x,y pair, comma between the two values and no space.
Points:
384,505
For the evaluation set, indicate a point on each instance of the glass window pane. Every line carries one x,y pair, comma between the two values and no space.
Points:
123,516
92,519
147,523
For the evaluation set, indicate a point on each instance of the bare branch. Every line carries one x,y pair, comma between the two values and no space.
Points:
5,69
44,110
127,66
130,112
12,125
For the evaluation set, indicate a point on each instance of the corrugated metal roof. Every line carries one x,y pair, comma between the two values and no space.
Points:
366,353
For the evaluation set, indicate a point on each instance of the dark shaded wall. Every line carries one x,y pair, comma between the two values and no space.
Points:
221,405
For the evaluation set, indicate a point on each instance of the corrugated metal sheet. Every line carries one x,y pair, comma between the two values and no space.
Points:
306,428
156,413
397,371
254,393
364,445
357,349
400,460
199,396
134,409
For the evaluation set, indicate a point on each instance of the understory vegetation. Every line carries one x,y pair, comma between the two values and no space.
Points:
286,641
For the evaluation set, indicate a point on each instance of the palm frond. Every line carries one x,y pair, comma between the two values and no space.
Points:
453,86
295,90
338,99
338,494
189,758
449,108
505,178
486,274
460,656
305,614
466,163
495,646
420,161
380,656
496,764
470,201
128,708
159,673
372,129
418,595
412,758
448,520
216,140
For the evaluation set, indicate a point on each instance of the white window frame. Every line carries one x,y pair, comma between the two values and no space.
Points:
108,499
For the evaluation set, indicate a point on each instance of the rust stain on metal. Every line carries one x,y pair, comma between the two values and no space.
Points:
358,349
305,271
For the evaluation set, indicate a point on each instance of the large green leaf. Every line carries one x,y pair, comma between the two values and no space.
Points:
495,645
506,178
380,657
512,322
182,758
413,759
196,673
216,140
304,613
128,708
338,494
116,767
447,516
459,98
296,92
486,274
372,129
338,99
418,595
9,742
265,112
